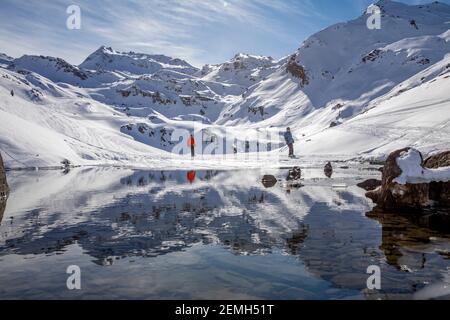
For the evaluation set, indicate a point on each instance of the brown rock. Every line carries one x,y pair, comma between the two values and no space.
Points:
2,208
297,71
370,185
391,195
269,181
328,170
4,189
439,191
294,174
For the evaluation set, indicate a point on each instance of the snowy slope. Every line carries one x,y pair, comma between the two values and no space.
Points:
410,115
43,124
59,70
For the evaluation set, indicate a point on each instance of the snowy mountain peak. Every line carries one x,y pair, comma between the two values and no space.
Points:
56,69
106,58
243,69
346,66
425,13
5,59
106,50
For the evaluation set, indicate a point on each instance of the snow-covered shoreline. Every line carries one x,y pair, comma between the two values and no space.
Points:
122,108
413,172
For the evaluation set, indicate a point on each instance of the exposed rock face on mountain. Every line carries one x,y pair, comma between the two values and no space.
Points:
297,71
392,195
425,183
439,191
244,70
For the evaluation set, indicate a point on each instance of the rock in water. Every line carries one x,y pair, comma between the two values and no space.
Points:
4,189
2,208
328,170
370,184
269,181
391,195
294,174
439,191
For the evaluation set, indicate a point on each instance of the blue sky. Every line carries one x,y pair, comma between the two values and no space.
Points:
200,31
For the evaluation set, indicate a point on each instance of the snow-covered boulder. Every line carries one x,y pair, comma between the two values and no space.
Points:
396,193
408,181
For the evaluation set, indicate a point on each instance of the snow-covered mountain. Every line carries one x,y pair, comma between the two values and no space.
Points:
347,91
347,65
244,70
5,60
134,63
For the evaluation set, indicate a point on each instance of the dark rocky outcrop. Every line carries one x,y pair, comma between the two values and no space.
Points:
297,70
294,174
4,189
2,209
391,195
328,170
370,185
269,181
439,191
156,97
372,56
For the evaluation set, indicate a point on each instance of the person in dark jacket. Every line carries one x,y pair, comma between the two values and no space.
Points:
289,141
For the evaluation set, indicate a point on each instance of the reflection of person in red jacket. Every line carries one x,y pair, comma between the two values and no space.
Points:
191,144
191,176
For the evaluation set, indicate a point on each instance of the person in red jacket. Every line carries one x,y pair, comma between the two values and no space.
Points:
191,144
191,176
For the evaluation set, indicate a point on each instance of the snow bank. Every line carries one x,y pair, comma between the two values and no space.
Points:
412,171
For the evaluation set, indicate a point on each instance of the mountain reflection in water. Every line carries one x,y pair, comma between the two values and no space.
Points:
249,241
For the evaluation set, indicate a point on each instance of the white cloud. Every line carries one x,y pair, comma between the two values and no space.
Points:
173,27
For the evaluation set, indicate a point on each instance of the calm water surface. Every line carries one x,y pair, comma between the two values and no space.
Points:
212,235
